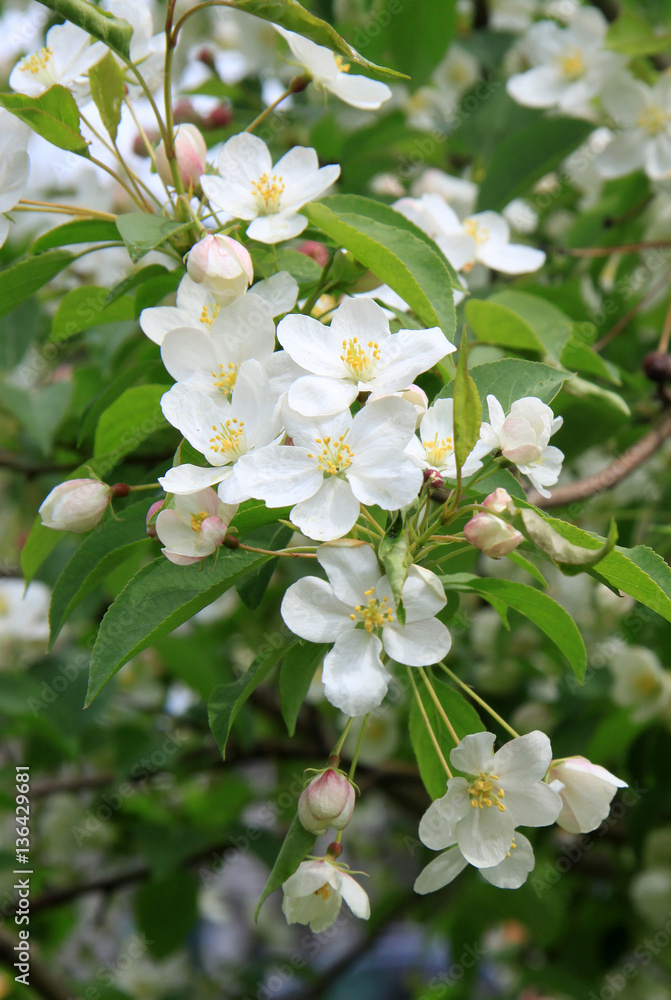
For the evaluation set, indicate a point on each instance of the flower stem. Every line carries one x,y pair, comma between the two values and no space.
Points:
431,733
476,697
441,710
271,107
343,736
355,758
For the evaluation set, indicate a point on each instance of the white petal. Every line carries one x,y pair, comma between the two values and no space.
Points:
484,835
436,827
524,759
279,291
512,872
186,479
313,346
623,155
315,396
276,228
474,753
540,87
406,354
329,514
352,569
385,477
355,681
441,871
359,318
536,805
354,895
360,91
312,611
423,594
417,644
511,258
308,877
384,423
279,474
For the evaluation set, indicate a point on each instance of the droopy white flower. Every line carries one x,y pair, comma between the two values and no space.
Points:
586,791
570,65
14,165
483,238
523,438
356,611
335,464
510,873
434,449
641,682
66,59
221,432
332,72
644,113
198,306
356,353
503,790
249,187
194,528
314,893
24,614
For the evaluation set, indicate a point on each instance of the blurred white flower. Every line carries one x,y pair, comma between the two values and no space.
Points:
640,682
314,893
65,59
14,165
643,114
24,614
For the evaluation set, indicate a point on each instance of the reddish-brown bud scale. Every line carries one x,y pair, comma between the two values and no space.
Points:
334,849
120,490
231,542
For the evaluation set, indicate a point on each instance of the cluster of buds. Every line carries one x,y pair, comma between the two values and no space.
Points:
489,533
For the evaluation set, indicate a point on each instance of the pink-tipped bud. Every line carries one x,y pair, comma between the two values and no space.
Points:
498,501
219,117
491,535
152,514
190,154
327,801
222,264
316,250
433,479
76,505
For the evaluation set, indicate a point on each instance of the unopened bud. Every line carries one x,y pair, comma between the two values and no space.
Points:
299,83
152,514
190,155
433,479
219,117
657,366
491,535
76,505
120,490
222,264
231,542
498,501
327,801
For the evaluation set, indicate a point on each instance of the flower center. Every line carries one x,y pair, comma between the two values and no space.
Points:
226,377
229,439
483,792
653,119
324,891
437,451
197,520
358,363
335,456
4,605
572,63
375,614
646,684
37,62
479,232
268,192
209,313
343,67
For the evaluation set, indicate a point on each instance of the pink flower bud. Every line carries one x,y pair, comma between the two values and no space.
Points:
327,801
190,153
497,501
491,535
152,514
222,264
76,505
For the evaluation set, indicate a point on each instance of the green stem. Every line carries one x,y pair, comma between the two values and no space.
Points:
441,710
271,107
343,736
355,758
431,733
476,697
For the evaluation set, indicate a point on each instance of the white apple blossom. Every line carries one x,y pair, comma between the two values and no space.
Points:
512,15
434,449
209,360
194,528
249,187
333,73
482,238
502,791
221,432
147,50
24,613
586,791
510,873
314,893
65,59
335,464
523,438
458,192
356,353
355,610
433,103
643,114
570,65
14,165
641,682
198,307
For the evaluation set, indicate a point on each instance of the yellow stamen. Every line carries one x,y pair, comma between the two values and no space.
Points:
324,891
343,67
359,363
437,451
653,119
334,457
375,614
37,62
229,439
479,232
572,63
226,377
268,192
197,520
483,792
209,313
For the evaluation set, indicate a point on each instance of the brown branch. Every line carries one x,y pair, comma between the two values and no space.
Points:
610,476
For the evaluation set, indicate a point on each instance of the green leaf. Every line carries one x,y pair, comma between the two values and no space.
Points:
396,256
255,584
107,91
526,155
254,514
292,16
105,548
145,371
569,558
297,844
467,409
142,232
495,324
582,389
578,356
296,675
84,307
551,328
130,420
511,378
113,31
632,34
175,894
54,115
158,599
21,280
415,35
528,567
395,554
79,231
227,699
139,278
464,719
